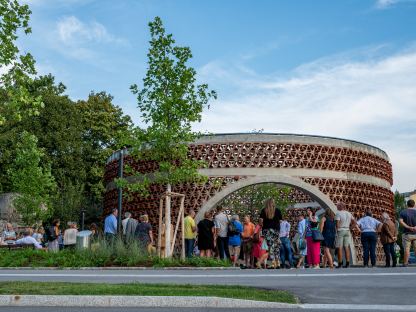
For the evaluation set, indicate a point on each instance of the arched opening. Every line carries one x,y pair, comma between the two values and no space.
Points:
317,199
314,193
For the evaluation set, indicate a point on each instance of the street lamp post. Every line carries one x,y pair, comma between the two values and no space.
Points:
120,191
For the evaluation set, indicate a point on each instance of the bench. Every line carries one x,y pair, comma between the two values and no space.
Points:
17,246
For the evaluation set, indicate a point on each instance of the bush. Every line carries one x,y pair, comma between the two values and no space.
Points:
102,254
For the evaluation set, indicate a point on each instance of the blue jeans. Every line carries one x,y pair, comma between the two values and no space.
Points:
390,254
189,247
369,241
286,251
222,243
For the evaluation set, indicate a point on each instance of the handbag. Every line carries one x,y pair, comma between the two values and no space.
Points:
317,235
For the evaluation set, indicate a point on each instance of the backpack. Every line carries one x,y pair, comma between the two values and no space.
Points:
232,229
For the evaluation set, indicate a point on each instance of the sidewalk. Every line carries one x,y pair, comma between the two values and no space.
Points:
136,301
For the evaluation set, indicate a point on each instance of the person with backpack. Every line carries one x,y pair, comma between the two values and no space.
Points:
221,233
313,239
52,235
235,229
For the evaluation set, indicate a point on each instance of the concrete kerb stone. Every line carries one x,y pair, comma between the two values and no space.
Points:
123,268
137,301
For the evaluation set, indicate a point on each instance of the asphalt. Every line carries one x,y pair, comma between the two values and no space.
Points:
377,286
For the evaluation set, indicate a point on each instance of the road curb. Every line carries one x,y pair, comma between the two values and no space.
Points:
137,301
121,268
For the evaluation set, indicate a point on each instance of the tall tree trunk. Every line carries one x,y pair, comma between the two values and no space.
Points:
167,222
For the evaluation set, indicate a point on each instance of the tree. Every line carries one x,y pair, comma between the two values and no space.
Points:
104,128
32,183
170,101
399,202
250,200
16,69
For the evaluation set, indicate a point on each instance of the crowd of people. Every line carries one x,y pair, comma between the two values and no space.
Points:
316,241
50,238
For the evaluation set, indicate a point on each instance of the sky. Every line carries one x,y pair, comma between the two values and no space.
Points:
336,68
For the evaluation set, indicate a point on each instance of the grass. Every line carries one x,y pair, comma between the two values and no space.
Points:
103,255
136,289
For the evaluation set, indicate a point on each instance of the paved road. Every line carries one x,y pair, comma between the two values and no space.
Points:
344,286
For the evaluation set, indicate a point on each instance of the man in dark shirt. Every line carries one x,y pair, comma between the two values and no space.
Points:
407,220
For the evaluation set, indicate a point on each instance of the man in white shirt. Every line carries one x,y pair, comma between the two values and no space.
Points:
29,240
127,216
344,221
221,232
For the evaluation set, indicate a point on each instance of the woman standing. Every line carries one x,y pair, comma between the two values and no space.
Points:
144,234
206,228
388,237
314,247
368,226
53,237
271,227
328,227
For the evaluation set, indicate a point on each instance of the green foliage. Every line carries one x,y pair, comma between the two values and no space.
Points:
399,202
76,139
250,200
17,102
104,127
170,101
101,255
32,182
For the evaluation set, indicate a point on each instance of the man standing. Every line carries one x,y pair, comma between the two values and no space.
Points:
110,226
407,220
130,228
221,232
190,233
344,220
127,216
285,248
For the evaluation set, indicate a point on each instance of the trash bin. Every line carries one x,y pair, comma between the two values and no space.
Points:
84,239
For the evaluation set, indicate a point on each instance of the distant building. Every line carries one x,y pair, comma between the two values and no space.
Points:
410,195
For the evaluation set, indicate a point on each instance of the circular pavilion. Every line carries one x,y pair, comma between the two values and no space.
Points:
321,170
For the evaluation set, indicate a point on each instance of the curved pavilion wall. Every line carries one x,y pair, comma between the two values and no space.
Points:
323,169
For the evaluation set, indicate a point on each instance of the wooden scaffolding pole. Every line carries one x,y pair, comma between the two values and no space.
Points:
159,232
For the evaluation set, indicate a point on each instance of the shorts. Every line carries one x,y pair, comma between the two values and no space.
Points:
408,241
343,238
